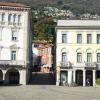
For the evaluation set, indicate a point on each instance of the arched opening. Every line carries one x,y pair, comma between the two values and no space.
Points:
98,74
63,77
1,77
12,76
89,78
79,77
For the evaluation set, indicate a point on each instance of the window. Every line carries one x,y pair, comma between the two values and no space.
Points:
14,35
98,57
19,19
13,55
79,38
64,57
64,38
3,17
79,57
89,38
14,18
9,18
98,38
89,58
0,34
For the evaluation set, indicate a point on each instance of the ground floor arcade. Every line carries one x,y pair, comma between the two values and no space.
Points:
13,75
80,77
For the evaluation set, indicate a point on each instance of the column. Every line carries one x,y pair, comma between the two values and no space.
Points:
4,79
69,77
23,77
58,76
84,78
74,74
94,78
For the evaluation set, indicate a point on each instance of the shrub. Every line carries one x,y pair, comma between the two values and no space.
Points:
98,81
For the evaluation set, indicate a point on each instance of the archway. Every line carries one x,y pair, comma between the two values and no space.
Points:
1,76
63,77
89,77
12,76
79,77
97,74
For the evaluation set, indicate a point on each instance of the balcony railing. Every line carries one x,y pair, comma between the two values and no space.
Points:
11,62
92,64
65,64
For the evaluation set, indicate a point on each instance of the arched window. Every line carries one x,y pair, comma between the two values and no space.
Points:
89,56
3,17
14,18
98,55
79,55
19,19
9,18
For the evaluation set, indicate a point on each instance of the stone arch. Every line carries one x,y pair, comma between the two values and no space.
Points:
89,50
89,77
1,76
98,50
64,50
12,76
79,77
79,50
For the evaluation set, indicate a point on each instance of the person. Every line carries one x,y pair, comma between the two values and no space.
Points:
87,82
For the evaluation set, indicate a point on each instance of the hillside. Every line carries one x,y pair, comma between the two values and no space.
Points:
81,6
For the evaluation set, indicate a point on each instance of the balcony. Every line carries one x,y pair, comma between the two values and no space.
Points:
92,64
2,23
11,62
65,65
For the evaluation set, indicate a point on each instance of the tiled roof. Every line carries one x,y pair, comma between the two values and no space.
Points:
13,4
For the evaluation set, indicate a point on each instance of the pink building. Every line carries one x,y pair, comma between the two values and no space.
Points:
42,56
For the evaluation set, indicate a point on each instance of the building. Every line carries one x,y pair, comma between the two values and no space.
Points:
77,52
15,43
42,56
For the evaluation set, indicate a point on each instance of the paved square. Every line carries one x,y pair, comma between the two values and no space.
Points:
45,92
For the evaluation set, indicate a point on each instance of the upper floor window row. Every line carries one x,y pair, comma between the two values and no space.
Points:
12,18
89,38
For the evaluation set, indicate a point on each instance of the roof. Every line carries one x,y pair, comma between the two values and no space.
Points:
78,23
13,4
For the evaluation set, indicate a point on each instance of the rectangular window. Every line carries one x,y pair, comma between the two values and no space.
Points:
89,38
79,57
0,34
89,58
14,36
13,55
79,38
98,57
64,57
98,38
64,38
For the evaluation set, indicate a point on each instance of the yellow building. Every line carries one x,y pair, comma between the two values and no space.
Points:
77,52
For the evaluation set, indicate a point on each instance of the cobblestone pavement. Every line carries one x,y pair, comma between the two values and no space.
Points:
51,92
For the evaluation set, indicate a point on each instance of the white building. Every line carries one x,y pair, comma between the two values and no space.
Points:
15,43
77,52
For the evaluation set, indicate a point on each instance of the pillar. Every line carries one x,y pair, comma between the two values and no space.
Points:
84,78
94,78
74,76
58,76
4,76
23,77
69,77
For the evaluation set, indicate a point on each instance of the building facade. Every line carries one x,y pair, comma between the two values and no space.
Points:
42,56
77,52
15,43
